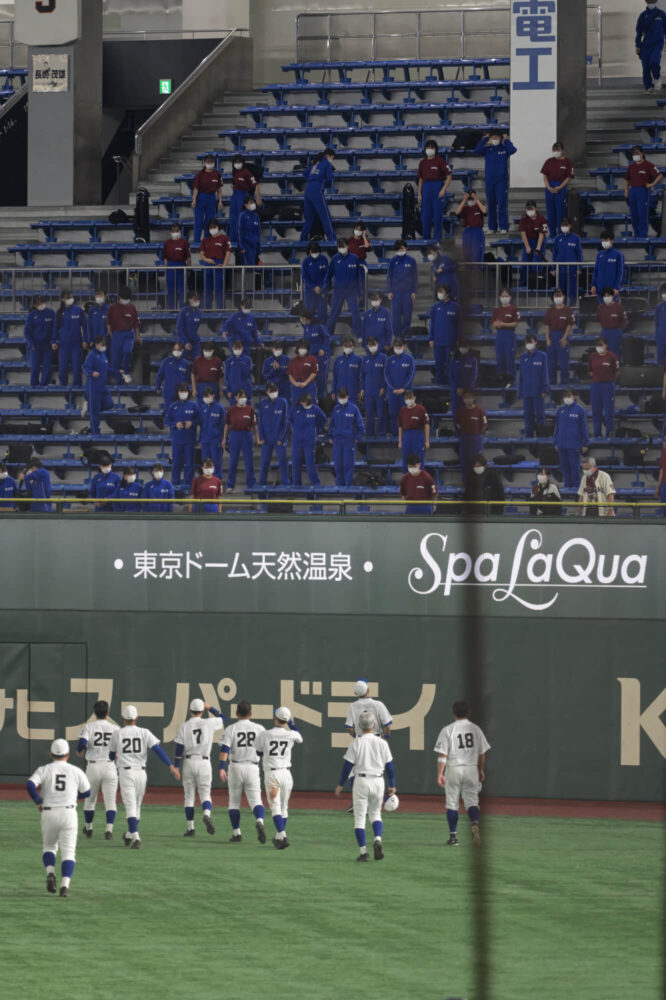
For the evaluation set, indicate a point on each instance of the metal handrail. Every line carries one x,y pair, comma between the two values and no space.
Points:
159,34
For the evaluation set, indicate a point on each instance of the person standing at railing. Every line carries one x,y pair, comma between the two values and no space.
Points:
187,326
36,482
345,428
249,233
570,438
214,254
239,428
96,368
346,278
313,276
608,268
158,492
307,421
206,197
484,484
39,333
557,173
71,337
105,485
183,418
402,282
413,429
122,323
399,374
206,487
213,416
242,326
567,249
471,212
130,492
604,368
471,423
444,329
559,321
416,486
273,432
373,389
97,316
243,182
176,254
8,489
434,177
173,370
533,229
207,373
650,33
596,491
318,178
641,177
496,148
545,499
504,321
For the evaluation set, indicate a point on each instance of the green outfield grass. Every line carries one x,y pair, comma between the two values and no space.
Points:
575,912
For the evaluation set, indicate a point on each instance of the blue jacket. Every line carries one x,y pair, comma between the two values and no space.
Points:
318,338
445,270
130,491
307,423
445,320
40,327
347,374
243,327
171,373
319,176
660,323
571,427
71,326
212,422
97,361
183,411
187,328
532,374
608,270
464,371
314,271
346,422
278,376
650,29
273,420
238,374
158,490
38,486
345,271
249,228
104,486
97,321
399,371
8,488
497,158
402,274
377,323
372,373
567,248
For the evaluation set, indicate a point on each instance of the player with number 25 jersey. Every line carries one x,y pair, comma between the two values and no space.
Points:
94,741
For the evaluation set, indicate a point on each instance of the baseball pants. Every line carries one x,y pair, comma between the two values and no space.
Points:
244,778
279,784
132,782
367,795
60,830
197,780
462,781
103,777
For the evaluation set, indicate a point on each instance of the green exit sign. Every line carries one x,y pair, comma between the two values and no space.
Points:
165,86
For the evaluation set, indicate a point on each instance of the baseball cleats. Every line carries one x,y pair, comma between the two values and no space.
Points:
261,833
285,843
476,836
280,845
453,841
363,857
87,832
379,850
127,839
236,839
208,823
108,834
189,833
51,882
136,844
350,808
64,891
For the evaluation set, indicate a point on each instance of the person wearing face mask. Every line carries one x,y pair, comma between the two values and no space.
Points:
176,256
650,32
97,316
318,178
358,243
130,492
249,233
471,424
402,282
557,173
373,389
533,229
444,326
319,346
313,277
484,485
239,428
96,369
243,183
570,438
545,499
206,487
399,374
36,483
416,486
434,177
596,491
471,212
242,326
237,373
187,326
105,485
504,322
207,373
444,269
8,489
302,373
608,268
275,370
122,323
613,320
307,421
206,197
641,177
413,429
346,277
347,371
273,431
533,384
496,148
70,338
604,369
567,250
212,424
158,493
39,333
463,372
214,255
660,489
559,321
660,326
377,323
173,370
345,428
183,418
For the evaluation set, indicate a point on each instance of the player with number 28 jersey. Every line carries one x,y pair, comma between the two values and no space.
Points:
239,757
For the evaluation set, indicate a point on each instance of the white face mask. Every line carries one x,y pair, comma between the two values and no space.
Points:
238,165
358,232
314,255
430,153
177,354
441,296
531,214
663,296
208,473
99,299
245,311
542,480
373,349
558,300
102,349
608,300
566,229
182,395
242,400
479,470
209,400
637,157
41,307
124,302
606,244
3,475
410,403
347,350
588,472
237,352
375,303
175,234
277,353
463,351
494,142
568,400
530,347
600,350
343,400
158,475
401,253
68,302
302,352
214,231
343,250
208,354
130,479
307,406
471,202
398,350
505,300
557,153
272,396
252,207
432,257
106,469
414,470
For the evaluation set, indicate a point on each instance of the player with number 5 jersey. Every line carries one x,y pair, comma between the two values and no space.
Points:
461,750
194,740
239,764
94,740
275,746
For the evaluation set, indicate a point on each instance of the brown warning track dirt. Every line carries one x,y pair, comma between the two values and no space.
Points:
556,808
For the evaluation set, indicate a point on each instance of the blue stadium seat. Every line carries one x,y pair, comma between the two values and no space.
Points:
435,67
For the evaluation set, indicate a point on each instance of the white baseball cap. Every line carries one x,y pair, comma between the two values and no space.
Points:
130,712
59,748
360,688
283,714
196,705
391,803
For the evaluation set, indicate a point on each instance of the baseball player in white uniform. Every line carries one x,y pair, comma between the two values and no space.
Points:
129,746
275,746
94,741
194,740
239,764
369,757
461,750
377,709
62,785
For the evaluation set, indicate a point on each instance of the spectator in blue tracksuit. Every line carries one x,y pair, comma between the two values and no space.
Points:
39,333
274,369
173,370
8,488
319,177
97,316
444,269
402,281
130,492
608,268
445,330
660,326
105,485
212,428
532,383
567,249
399,374
36,482
273,432
571,438
249,232
496,148
158,492
373,389
318,339
650,32
377,323
97,369
183,418
347,372
307,421
237,373
71,336
345,428
346,277
463,373
242,326
313,275
187,327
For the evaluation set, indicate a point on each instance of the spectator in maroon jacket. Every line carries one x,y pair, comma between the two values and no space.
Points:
417,485
207,373
206,196
604,368
176,254
206,487
471,424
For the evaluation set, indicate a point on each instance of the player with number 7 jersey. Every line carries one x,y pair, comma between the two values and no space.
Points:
239,764
194,740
